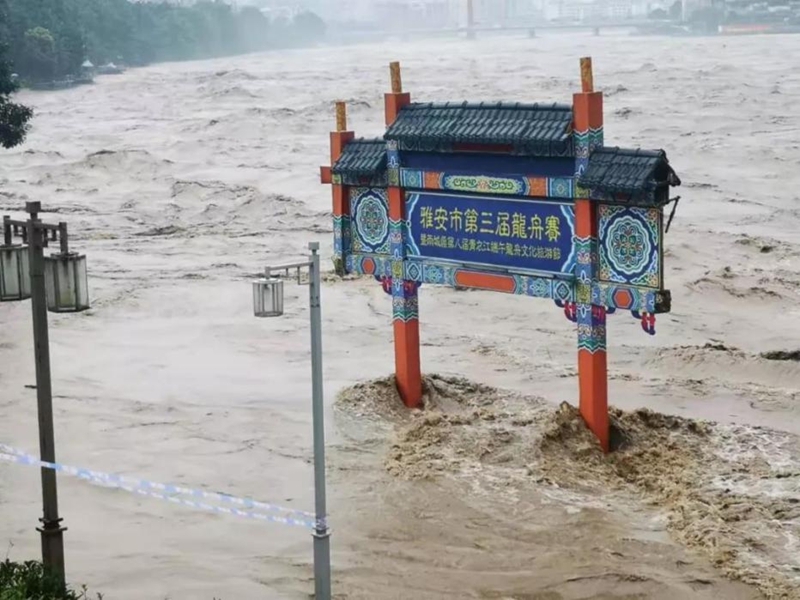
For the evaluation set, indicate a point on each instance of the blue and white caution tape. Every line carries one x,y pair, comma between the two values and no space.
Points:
169,493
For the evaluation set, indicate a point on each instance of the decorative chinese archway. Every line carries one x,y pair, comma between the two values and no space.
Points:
517,198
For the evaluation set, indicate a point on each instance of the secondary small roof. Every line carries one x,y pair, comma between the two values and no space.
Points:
638,173
362,158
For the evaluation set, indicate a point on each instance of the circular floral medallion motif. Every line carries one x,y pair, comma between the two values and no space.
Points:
372,221
628,246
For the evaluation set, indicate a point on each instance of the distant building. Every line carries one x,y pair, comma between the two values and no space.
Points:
690,6
499,12
422,14
413,14
276,8
349,10
593,10
617,10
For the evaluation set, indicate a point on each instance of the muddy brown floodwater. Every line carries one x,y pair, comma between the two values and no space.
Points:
181,181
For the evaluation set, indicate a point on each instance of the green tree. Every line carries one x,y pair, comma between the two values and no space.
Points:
29,581
14,118
52,38
39,58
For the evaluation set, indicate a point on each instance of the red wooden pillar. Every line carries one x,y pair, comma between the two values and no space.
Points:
405,307
341,194
592,368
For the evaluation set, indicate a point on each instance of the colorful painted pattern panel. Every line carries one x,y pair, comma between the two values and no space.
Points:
537,187
623,298
591,328
405,299
379,180
396,235
341,235
544,148
583,259
392,164
483,184
412,178
368,265
631,298
423,271
560,188
586,141
370,221
630,245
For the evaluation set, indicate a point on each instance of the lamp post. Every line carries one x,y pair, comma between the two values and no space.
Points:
57,283
268,302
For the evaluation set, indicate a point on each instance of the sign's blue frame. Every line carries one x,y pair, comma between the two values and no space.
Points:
511,234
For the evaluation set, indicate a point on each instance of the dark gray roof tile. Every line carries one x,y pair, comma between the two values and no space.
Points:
362,158
624,171
532,127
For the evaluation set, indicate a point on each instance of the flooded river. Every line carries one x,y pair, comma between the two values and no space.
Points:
182,181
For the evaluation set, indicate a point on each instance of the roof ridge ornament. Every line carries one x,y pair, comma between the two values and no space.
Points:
396,77
341,116
587,77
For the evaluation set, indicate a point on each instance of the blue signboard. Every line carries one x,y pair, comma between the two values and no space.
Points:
525,235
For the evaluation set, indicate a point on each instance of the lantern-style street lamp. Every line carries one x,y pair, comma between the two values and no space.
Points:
15,282
268,296
66,282
58,283
268,302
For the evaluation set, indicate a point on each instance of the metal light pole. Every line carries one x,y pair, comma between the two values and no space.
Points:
322,535
268,302
51,530
57,283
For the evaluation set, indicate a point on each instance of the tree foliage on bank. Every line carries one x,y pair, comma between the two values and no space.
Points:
29,581
14,118
50,39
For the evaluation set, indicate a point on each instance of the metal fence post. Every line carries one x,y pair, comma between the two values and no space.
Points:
322,550
51,530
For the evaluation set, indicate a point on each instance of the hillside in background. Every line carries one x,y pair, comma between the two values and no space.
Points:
50,39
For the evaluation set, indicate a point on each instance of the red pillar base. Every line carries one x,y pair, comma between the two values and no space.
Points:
407,362
593,381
